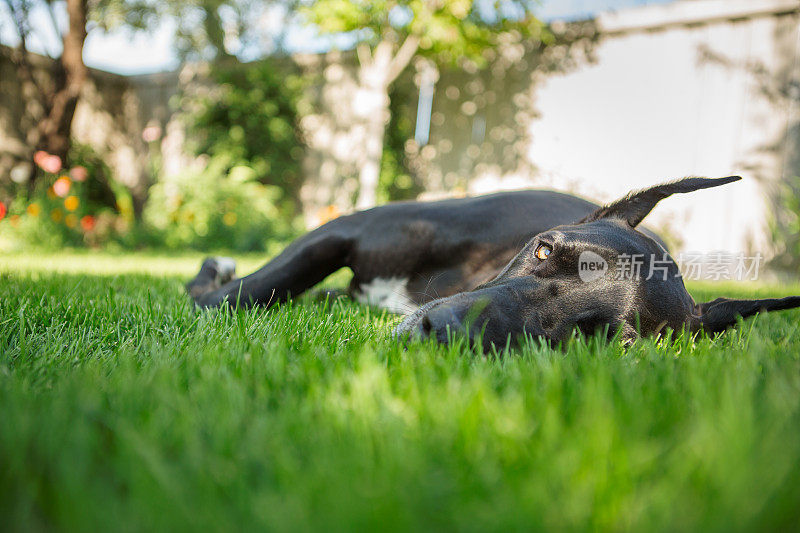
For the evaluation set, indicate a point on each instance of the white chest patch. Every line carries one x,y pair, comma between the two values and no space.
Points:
386,293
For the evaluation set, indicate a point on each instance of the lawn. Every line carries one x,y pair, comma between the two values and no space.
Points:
123,409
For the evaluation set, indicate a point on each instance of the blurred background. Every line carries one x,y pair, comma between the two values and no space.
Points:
239,124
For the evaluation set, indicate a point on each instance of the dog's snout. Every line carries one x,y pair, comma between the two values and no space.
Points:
463,316
438,321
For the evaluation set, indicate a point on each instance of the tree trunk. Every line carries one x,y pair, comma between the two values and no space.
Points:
70,79
375,129
378,70
69,75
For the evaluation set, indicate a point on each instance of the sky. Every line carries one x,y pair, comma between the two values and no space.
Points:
125,52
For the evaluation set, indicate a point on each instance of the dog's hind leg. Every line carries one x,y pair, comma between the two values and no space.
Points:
303,264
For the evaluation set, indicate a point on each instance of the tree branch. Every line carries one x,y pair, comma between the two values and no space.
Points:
363,53
56,127
53,20
19,24
382,55
20,56
403,57
215,33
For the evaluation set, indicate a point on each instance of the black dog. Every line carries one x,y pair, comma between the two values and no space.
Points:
410,254
541,293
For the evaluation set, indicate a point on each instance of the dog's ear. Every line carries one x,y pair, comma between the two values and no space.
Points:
636,205
720,314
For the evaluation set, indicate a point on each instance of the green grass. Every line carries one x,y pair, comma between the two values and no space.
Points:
123,409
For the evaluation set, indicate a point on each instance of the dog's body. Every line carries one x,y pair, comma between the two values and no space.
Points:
502,265
402,254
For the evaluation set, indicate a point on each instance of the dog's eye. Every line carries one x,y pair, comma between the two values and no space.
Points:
542,252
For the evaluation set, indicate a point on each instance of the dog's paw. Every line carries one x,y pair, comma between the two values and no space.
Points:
214,272
226,269
205,280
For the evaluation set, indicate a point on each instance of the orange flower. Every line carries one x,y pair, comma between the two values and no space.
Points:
71,220
328,213
34,209
3,210
87,223
61,186
79,173
72,203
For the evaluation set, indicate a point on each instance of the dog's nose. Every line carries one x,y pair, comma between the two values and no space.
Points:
438,321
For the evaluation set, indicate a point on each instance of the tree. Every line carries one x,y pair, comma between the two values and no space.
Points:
389,34
51,99
52,90
58,97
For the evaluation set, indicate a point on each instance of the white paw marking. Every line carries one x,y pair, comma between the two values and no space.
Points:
386,293
226,267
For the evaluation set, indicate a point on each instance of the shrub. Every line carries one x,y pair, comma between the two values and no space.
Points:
785,226
218,206
249,118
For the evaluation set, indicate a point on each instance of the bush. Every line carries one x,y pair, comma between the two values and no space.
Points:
249,118
74,206
218,206
785,226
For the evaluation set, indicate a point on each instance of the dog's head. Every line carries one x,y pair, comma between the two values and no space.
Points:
599,274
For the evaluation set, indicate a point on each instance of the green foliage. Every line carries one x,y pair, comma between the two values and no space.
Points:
244,196
202,27
133,14
249,118
785,226
122,405
221,205
244,199
447,29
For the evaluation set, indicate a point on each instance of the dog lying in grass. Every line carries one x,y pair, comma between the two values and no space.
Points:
496,267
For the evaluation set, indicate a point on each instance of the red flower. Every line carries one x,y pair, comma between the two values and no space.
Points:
3,210
40,157
87,223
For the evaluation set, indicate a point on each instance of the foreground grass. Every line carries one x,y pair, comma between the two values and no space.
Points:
123,409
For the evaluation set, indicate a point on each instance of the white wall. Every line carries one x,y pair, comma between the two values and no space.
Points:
655,107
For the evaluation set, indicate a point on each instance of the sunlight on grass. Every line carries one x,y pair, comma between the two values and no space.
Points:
104,264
